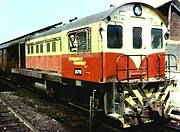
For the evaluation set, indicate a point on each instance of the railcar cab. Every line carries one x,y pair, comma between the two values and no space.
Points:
135,39
135,31
135,43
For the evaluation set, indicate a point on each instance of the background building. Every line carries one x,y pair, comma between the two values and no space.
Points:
171,10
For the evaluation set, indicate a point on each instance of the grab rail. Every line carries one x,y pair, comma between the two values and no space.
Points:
128,69
168,65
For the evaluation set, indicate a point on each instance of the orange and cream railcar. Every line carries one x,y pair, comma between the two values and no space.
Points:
119,52
101,39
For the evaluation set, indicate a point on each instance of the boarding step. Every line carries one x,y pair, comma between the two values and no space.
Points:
137,74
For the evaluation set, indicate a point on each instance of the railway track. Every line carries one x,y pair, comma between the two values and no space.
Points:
48,115
42,112
12,121
173,125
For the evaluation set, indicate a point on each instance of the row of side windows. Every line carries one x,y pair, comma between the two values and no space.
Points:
115,37
78,41
43,47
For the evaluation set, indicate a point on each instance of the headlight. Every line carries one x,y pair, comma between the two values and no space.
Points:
137,10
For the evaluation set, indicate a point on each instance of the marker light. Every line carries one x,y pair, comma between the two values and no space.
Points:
137,10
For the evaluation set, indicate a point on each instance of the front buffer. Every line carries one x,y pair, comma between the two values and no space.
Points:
136,103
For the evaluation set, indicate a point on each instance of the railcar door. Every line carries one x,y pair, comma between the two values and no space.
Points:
147,41
139,42
136,41
22,60
139,36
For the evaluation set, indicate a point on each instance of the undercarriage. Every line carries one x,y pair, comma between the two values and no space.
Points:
137,102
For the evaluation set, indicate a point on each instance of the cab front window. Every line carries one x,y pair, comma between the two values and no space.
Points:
156,38
137,37
114,36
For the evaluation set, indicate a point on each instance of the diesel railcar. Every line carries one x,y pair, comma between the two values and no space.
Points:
120,53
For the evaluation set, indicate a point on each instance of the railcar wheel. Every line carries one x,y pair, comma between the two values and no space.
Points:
51,92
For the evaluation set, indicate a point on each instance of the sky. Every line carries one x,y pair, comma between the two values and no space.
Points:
19,17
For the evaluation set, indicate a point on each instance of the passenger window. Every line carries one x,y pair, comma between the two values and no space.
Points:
114,36
41,48
32,49
79,41
28,49
53,46
48,47
137,37
156,38
37,48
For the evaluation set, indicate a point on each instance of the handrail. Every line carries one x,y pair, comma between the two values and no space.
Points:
167,66
128,69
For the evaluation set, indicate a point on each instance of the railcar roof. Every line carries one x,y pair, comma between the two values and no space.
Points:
76,23
89,19
103,15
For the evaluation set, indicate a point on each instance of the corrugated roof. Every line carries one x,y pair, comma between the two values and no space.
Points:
165,6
